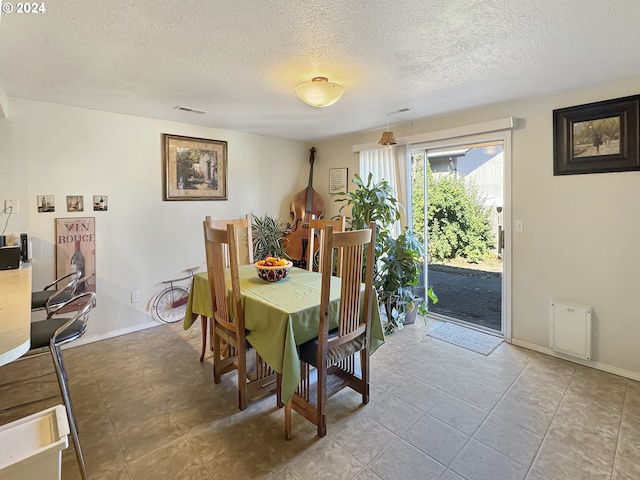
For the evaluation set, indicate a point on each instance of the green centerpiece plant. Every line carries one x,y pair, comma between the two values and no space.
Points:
268,237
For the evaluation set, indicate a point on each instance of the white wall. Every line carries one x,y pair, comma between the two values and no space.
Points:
580,239
48,149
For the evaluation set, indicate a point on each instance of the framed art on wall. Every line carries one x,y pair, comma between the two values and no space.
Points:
76,250
75,203
46,203
338,180
194,168
100,203
597,137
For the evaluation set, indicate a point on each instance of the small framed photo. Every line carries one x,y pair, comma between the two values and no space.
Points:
338,178
75,203
597,137
46,203
100,203
194,168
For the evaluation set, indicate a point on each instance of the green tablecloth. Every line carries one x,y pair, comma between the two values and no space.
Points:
279,316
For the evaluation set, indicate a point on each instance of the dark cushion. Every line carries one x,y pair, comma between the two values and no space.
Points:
309,350
39,299
42,331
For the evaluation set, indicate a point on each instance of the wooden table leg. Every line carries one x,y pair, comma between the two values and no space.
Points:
287,420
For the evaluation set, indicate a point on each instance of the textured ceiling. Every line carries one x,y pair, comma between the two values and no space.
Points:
241,60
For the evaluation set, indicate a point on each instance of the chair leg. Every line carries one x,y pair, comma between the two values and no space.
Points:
62,382
364,367
321,416
216,357
203,323
242,378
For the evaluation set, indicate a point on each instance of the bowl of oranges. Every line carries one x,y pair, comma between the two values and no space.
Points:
272,269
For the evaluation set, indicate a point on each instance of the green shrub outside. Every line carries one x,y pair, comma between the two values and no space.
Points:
458,223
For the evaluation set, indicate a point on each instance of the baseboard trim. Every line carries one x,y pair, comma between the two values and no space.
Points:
587,363
84,340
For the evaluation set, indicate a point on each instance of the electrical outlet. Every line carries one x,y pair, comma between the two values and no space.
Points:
11,206
135,296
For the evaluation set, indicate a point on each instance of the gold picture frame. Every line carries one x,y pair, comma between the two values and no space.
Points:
194,168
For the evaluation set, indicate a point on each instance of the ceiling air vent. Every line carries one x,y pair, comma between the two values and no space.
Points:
189,109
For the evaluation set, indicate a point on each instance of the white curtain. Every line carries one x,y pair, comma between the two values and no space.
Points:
392,165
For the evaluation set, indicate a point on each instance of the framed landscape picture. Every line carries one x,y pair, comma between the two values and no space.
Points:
597,137
194,168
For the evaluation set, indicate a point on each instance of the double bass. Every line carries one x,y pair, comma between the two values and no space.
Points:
305,203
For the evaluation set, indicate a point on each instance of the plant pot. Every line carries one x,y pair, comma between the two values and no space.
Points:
411,313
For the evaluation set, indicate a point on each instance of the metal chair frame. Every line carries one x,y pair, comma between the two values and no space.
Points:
86,301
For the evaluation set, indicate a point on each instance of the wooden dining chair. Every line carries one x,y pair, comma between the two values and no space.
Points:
316,239
228,319
334,352
244,244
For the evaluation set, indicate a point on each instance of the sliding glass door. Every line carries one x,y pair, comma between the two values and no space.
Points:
458,202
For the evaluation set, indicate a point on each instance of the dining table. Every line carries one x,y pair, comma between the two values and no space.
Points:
15,313
279,316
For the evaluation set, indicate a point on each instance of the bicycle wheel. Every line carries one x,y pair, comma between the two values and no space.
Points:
165,308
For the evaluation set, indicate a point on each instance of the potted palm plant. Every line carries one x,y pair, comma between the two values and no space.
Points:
398,261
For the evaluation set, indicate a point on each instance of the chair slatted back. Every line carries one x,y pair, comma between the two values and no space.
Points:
217,243
317,227
244,238
354,314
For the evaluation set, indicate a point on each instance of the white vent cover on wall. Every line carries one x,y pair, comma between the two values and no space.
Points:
570,329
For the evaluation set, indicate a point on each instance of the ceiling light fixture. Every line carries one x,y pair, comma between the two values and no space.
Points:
387,139
319,92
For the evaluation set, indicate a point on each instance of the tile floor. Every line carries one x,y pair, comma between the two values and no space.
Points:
148,409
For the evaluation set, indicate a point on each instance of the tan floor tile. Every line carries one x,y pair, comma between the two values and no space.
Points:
511,439
394,414
176,459
119,474
437,376
479,462
418,393
363,438
218,437
580,410
477,393
367,474
325,459
459,414
628,455
249,459
143,437
403,460
436,439
495,377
